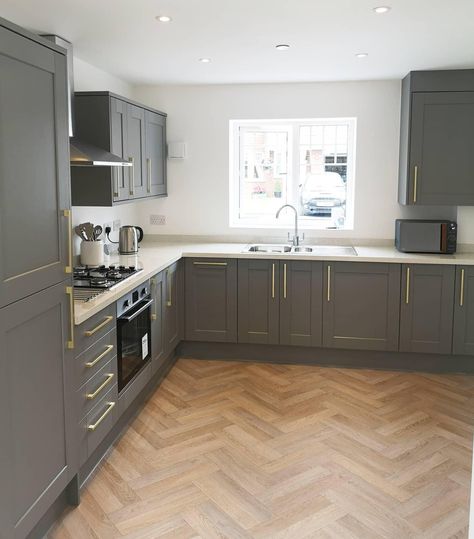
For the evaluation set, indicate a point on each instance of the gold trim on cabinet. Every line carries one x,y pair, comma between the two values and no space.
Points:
210,263
407,290
329,283
415,183
461,294
284,281
131,177
169,302
68,215
108,348
153,292
102,417
148,162
92,396
70,293
91,332
273,281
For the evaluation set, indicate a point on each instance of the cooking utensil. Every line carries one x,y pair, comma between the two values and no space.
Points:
89,230
97,232
79,230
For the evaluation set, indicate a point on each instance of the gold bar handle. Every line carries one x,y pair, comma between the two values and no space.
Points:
92,396
148,162
415,183
153,293
107,350
329,283
68,214
407,291
116,182
284,281
169,301
273,281
461,294
132,176
70,293
110,406
91,332
210,263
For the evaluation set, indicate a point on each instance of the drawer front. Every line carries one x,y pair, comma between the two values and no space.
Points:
90,331
94,389
95,357
97,424
131,392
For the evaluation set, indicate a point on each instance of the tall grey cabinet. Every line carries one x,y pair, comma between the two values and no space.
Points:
37,455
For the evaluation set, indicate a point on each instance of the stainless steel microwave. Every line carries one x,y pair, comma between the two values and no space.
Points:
425,236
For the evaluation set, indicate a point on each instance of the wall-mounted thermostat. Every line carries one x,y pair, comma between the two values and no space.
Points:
176,150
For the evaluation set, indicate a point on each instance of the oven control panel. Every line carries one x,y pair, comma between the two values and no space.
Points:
128,301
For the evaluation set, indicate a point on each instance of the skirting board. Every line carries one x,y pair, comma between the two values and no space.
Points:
327,357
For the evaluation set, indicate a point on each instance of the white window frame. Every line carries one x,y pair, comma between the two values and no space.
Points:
292,126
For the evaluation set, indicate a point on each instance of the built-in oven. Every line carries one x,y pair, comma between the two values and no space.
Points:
133,333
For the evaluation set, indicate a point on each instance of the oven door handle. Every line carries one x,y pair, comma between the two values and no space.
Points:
136,313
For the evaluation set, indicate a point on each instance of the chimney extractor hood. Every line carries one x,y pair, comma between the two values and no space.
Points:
83,154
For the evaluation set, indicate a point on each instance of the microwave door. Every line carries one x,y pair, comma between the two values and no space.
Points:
425,238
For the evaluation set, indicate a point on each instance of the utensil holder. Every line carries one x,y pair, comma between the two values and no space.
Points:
92,253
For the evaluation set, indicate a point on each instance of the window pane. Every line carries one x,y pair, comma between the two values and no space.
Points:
263,172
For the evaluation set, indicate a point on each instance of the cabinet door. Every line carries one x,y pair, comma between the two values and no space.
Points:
155,153
426,312
361,305
157,284
37,455
173,311
136,151
211,300
258,301
34,167
442,148
463,333
118,146
301,303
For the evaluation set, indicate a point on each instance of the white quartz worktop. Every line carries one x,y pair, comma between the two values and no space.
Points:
156,256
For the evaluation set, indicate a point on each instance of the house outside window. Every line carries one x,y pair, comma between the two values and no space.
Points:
307,163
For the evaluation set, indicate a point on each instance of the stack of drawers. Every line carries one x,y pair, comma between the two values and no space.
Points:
96,379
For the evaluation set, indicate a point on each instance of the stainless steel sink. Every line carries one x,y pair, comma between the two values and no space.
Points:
318,250
269,248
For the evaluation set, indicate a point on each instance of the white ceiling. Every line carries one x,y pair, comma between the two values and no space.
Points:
123,37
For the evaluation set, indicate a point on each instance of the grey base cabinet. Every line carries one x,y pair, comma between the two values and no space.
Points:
426,308
173,316
463,333
38,450
361,305
157,287
211,300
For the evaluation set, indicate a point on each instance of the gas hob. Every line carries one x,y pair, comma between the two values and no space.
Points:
90,282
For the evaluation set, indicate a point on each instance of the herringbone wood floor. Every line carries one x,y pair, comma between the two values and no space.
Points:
238,450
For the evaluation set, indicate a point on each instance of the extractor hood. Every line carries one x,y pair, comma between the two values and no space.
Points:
83,154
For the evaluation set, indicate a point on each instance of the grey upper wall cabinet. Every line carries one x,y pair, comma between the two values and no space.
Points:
127,129
34,166
173,316
463,333
361,305
37,442
437,138
426,312
211,300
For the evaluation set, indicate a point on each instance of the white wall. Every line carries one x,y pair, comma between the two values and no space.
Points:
199,186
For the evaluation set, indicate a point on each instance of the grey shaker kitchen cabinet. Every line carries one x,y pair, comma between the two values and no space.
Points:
37,443
157,285
301,303
361,305
258,301
34,166
173,317
127,129
463,332
155,154
426,308
437,138
211,300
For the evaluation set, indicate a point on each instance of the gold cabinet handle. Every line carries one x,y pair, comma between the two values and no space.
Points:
273,281
116,182
461,294
153,293
70,293
92,396
284,281
110,406
91,332
108,349
148,162
329,283
132,176
68,215
407,291
169,301
210,263
415,183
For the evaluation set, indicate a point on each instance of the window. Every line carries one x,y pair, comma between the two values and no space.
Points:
306,163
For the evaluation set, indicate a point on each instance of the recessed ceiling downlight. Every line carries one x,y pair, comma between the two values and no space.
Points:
205,60
362,55
163,18
382,9
282,47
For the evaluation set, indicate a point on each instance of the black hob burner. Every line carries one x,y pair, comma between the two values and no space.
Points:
102,276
